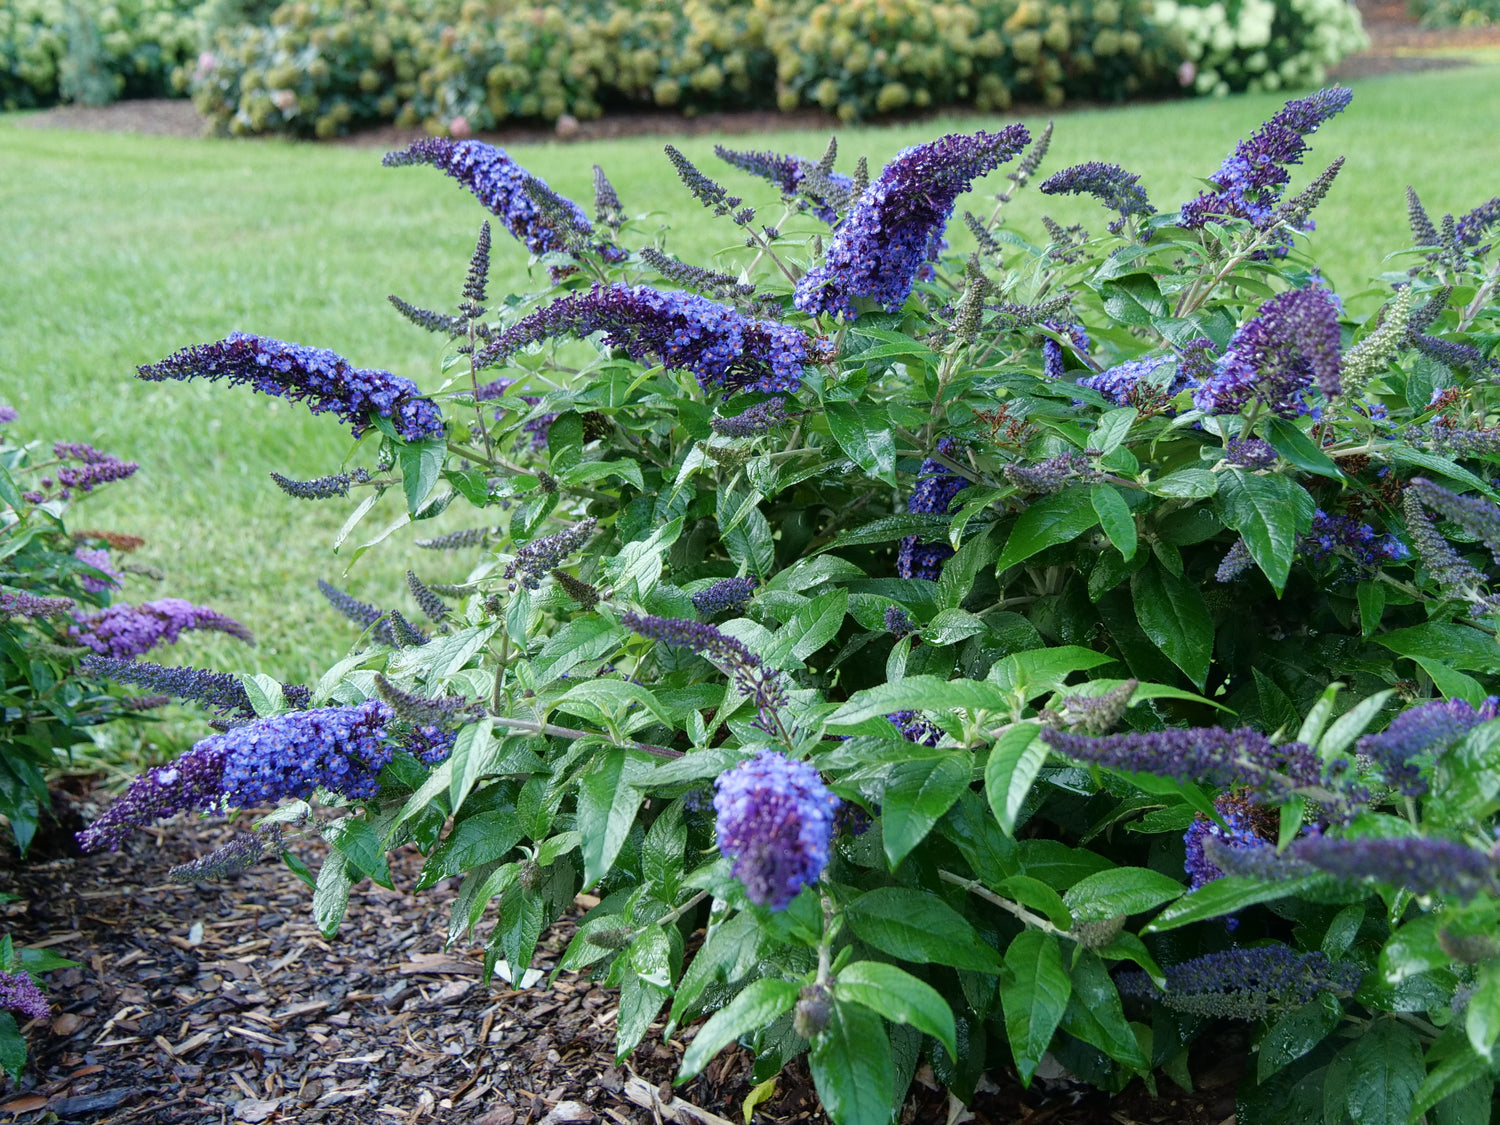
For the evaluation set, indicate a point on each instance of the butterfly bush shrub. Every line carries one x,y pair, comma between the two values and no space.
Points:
1053,650
62,607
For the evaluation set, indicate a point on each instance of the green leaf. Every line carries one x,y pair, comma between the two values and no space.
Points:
1483,1021
751,545
1371,596
809,629
1453,1078
899,997
1185,484
1015,760
852,1067
565,441
1051,520
1295,1034
1034,998
608,700
1041,670
918,693
926,526
1134,300
474,753
915,926
1171,613
1457,646
645,988
1387,1072
1450,469
959,572
607,805
951,626
331,895
264,693
1120,890
1298,448
917,794
1268,512
1226,896
1116,518
586,471
1095,1014
421,465
864,432
1113,427
1350,725
756,1006
12,1042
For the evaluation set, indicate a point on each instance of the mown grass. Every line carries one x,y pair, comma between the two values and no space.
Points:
118,250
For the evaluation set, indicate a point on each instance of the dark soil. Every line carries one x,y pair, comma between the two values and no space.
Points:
220,1002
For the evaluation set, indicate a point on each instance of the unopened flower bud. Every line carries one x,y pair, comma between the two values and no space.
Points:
615,937
529,875
1099,932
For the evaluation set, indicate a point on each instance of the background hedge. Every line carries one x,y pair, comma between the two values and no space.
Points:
320,68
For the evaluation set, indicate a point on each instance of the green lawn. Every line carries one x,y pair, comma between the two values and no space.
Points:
118,250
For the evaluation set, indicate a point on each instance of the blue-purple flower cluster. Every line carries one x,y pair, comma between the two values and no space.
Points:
1246,825
320,488
241,853
1245,984
1250,453
750,675
20,994
728,595
791,175
340,749
1119,383
1052,350
775,821
1350,538
892,228
1421,865
936,487
1051,475
322,379
1252,178
8,414
430,745
500,184
362,614
915,728
193,783
98,558
96,468
1110,184
761,418
898,622
18,603
537,558
1426,731
1291,345
1475,514
124,631
724,349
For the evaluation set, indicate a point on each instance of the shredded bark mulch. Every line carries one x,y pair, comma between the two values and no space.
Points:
220,1002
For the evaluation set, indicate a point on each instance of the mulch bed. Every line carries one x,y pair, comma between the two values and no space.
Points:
220,1002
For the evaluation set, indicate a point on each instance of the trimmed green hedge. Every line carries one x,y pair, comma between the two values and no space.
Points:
316,68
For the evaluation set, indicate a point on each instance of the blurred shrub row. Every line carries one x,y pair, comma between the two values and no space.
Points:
1457,13
318,68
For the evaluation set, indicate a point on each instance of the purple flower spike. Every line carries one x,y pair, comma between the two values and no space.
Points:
320,378
98,558
723,348
1290,345
22,604
194,782
729,595
1118,383
8,414
890,229
1253,177
1433,728
1110,184
792,175
1245,984
1422,866
775,822
19,993
1478,516
124,631
1347,536
937,485
763,684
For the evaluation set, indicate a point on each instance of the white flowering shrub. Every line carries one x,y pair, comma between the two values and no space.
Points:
1259,44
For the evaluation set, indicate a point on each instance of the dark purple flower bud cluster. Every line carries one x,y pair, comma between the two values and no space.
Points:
1347,536
1052,475
1476,515
430,745
728,595
365,616
936,487
1453,354
775,821
240,854
320,488
1452,573
1277,356
1053,351
458,540
220,691
1253,177
1473,227
796,177
1426,731
534,560
761,418
711,283
607,208
1246,825
1250,453
1236,561
1245,984
1421,865
404,633
707,192
1213,755
98,558
889,232
20,994
898,622
322,379
1098,714
584,593
96,468
1110,184
914,728
449,325
430,604
422,710
500,184
1120,383
124,631
724,349
194,782
18,603
751,676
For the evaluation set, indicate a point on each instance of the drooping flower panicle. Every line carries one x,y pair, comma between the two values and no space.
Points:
322,379
723,348
124,631
890,230
1110,184
728,595
775,821
1245,984
223,692
20,994
1429,730
1288,347
763,684
320,488
536,559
